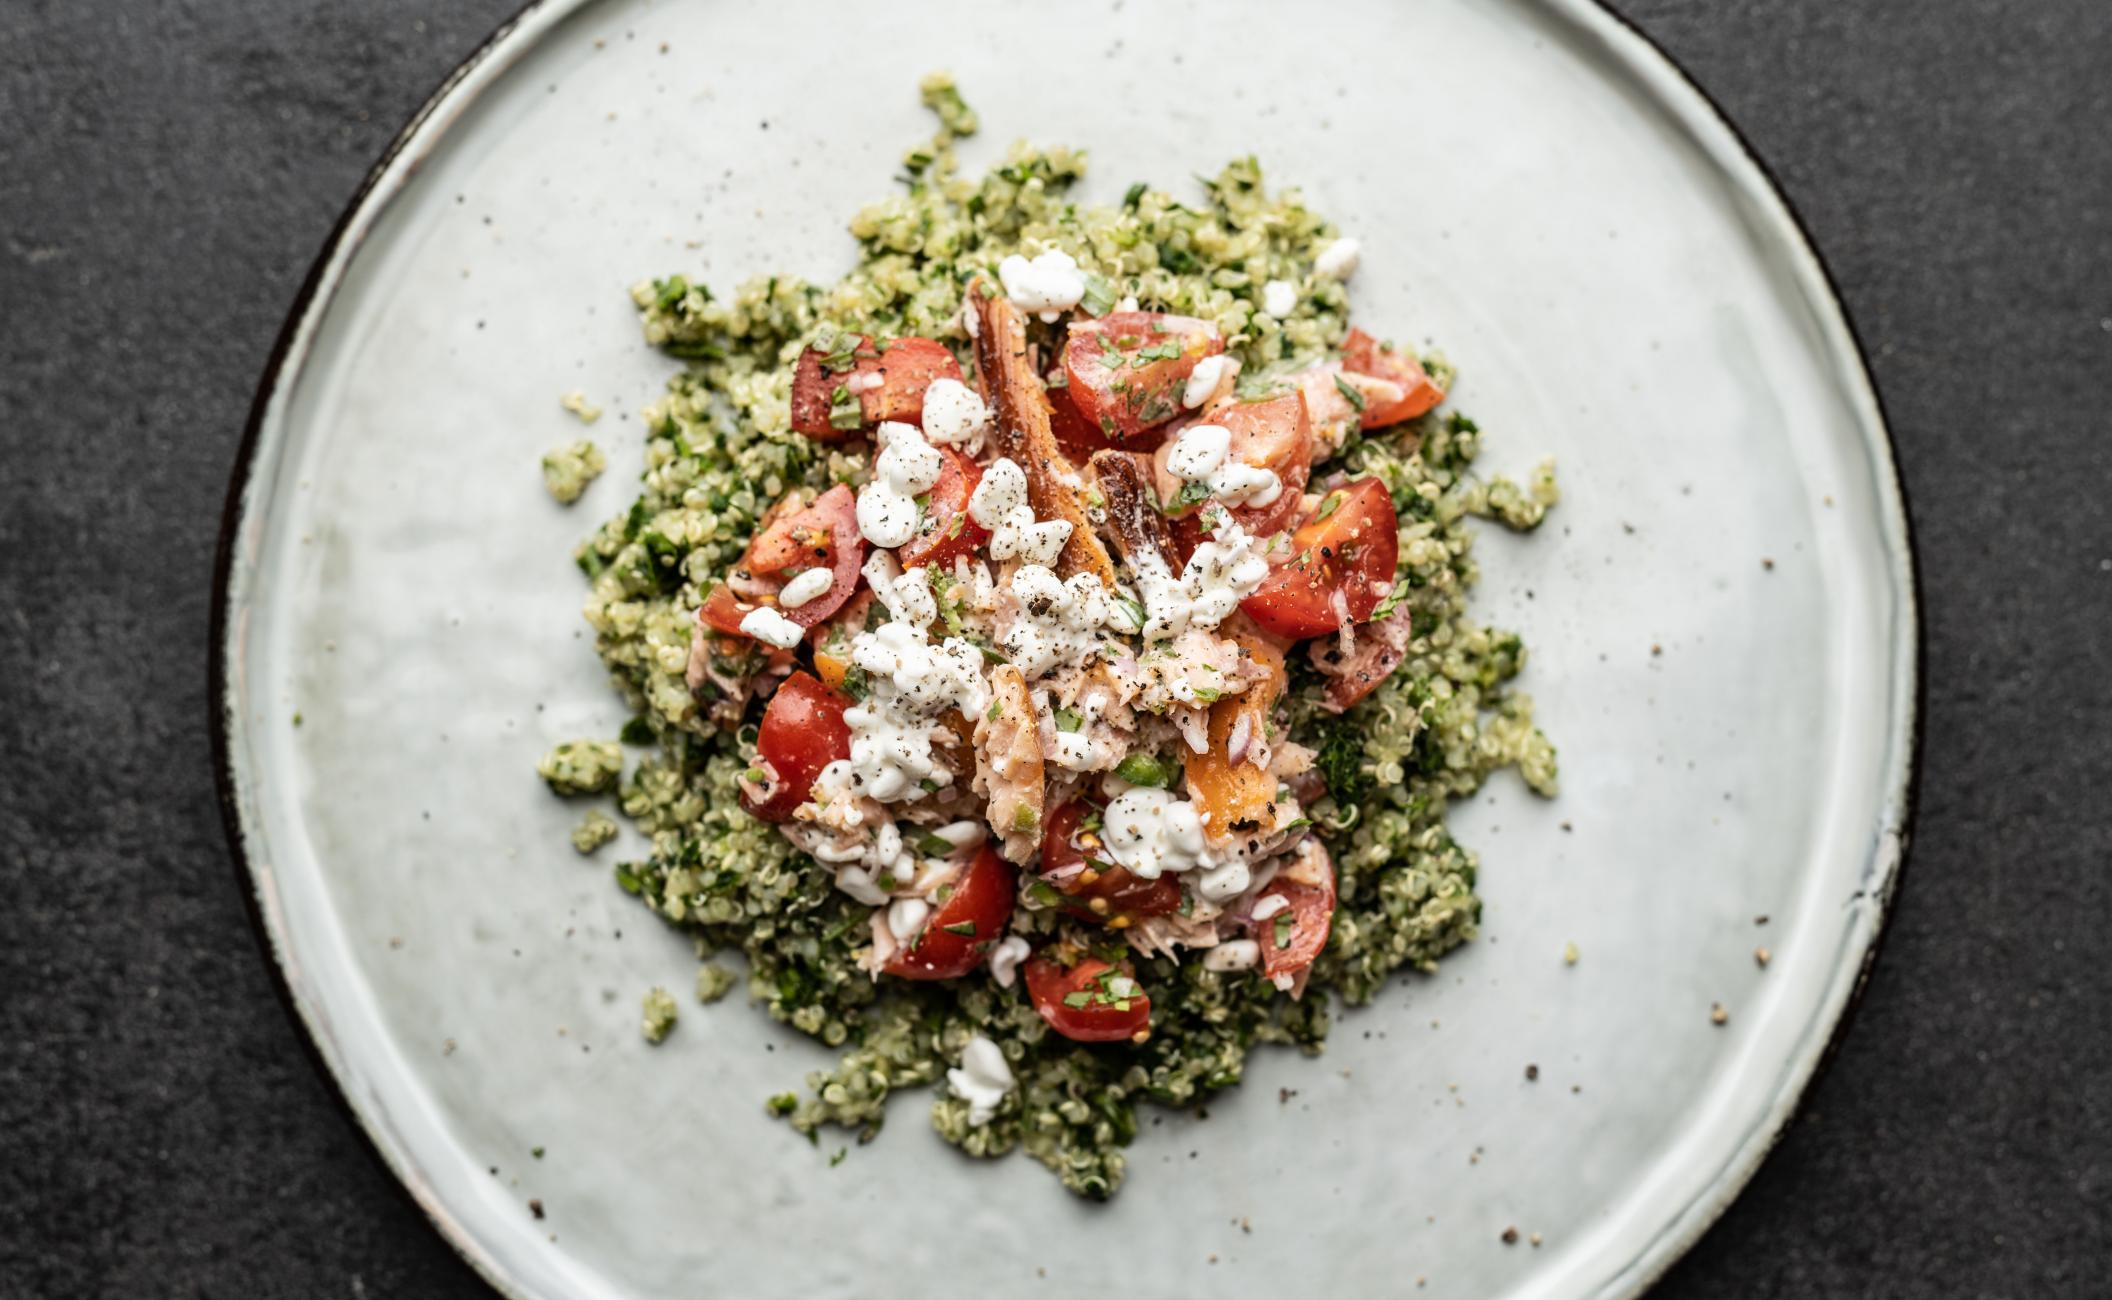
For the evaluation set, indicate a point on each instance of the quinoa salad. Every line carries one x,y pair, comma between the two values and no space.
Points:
1050,649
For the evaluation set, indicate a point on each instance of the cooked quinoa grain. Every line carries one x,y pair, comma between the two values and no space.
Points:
567,470
582,767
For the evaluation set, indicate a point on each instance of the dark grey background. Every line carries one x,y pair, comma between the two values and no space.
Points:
168,170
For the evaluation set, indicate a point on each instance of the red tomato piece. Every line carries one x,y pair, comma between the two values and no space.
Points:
1078,436
792,539
723,611
1340,565
947,531
967,922
1127,370
1379,650
888,380
1106,893
803,732
1089,1001
1362,354
1294,936
1271,433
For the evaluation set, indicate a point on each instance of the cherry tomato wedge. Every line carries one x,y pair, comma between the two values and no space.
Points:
803,732
1078,436
1272,433
1362,354
793,538
1089,1001
968,920
947,531
1337,398
1379,650
1106,893
1340,565
887,380
1127,370
1294,936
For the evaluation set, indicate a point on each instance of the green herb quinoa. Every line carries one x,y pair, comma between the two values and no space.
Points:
721,449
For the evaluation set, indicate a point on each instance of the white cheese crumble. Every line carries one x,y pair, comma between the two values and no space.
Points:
1279,298
1005,959
1205,380
1202,454
953,412
1233,954
982,1079
1270,906
1149,831
1338,261
1221,573
906,916
772,628
910,683
1050,284
999,503
1058,623
906,595
810,585
906,465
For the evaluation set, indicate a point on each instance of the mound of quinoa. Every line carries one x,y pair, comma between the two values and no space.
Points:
719,451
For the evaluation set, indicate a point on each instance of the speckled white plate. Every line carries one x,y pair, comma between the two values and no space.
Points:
1720,617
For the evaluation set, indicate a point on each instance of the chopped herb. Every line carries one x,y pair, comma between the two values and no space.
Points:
1069,720
1192,493
1333,503
1208,694
997,710
1077,1001
966,929
934,846
856,682
837,1159
1099,296
1284,925
1135,192
845,412
1351,394
636,732
1024,818
1145,769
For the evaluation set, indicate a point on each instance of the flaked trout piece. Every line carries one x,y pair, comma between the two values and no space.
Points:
1133,518
1021,409
1008,766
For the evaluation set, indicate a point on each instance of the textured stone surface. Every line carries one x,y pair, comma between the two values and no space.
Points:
166,173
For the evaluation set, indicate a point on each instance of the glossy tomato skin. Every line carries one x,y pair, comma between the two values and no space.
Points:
1380,648
793,538
1107,894
1289,947
1127,370
1362,355
964,925
1098,1016
1077,436
1350,546
1272,433
803,732
890,379
947,531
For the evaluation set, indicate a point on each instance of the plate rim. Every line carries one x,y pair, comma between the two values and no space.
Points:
1596,19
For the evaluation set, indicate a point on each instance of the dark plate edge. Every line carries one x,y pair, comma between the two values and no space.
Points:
223,721
1910,793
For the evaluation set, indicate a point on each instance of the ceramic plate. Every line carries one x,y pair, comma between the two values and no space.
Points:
1720,616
